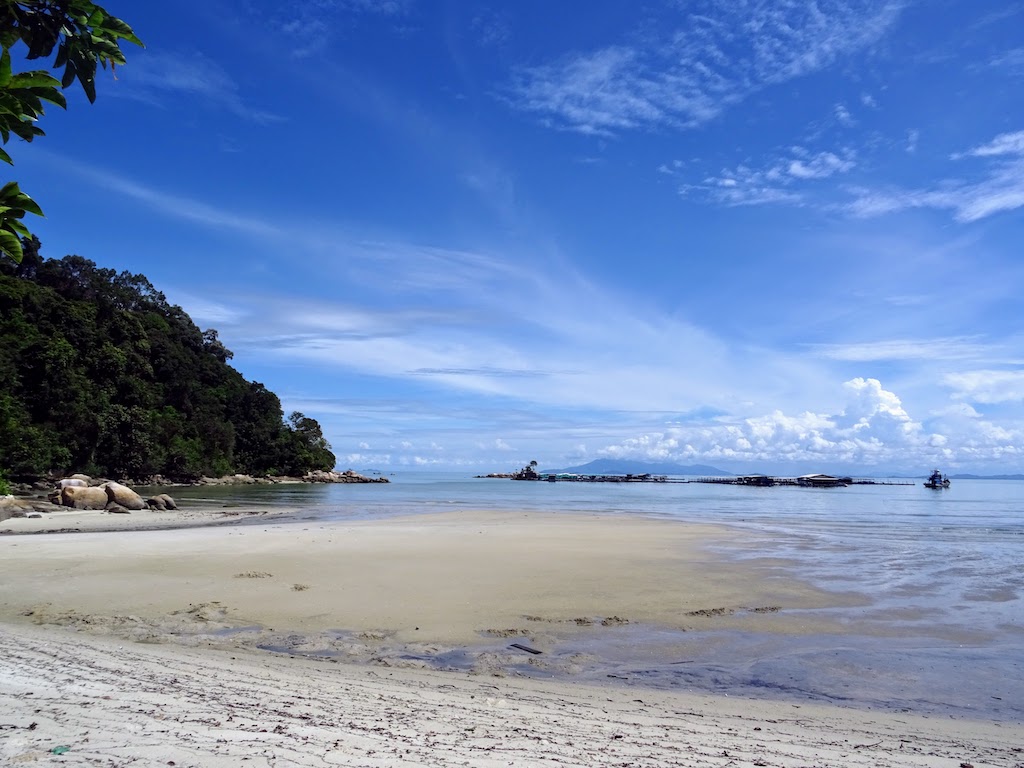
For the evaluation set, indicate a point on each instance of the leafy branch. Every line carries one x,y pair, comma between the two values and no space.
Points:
85,37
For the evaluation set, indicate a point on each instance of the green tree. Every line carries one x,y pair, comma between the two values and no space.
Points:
85,36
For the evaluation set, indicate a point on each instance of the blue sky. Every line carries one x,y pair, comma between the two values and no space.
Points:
769,236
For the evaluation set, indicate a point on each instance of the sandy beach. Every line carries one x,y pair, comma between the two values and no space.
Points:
151,646
99,701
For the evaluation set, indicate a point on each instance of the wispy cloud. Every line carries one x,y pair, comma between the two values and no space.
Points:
951,348
311,24
717,55
1000,188
1011,61
843,115
168,204
156,75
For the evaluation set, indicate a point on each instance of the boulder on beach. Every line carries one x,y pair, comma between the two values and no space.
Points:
123,495
161,503
83,498
72,482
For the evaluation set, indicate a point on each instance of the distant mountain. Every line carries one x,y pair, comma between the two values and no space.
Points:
621,467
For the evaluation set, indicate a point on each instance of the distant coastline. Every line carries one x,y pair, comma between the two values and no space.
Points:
623,467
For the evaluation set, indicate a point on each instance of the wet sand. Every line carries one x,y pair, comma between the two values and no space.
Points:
452,578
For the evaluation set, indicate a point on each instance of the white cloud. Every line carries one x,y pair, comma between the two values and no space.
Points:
987,386
820,166
1003,144
843,115
718,55
872,429
913,137
778,181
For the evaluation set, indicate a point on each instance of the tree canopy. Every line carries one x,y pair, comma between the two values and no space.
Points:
99,373
85,37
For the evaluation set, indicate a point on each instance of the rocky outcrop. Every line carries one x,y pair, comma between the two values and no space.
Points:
348,476
316,476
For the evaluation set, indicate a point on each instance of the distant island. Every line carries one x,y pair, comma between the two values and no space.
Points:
624,467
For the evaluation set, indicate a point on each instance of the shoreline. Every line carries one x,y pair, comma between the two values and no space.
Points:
448,590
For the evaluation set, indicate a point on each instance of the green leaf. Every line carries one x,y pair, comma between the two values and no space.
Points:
35,79
6,157
5,69
11,245
29,205
70,73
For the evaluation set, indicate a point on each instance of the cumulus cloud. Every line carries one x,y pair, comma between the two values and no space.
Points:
872,428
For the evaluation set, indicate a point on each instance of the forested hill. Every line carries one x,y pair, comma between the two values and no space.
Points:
99,374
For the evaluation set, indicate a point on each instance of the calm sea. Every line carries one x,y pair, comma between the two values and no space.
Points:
943,569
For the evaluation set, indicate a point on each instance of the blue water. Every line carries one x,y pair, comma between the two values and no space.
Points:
941,628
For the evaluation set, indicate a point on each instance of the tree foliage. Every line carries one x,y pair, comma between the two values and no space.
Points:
99,373
85,37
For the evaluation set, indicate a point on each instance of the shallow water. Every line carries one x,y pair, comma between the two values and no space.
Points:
942,571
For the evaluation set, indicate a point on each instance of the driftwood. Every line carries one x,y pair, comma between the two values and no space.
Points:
526,648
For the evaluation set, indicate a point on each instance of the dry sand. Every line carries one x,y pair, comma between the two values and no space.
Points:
392,592
100,702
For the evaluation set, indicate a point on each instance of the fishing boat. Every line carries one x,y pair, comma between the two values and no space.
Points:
937,480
